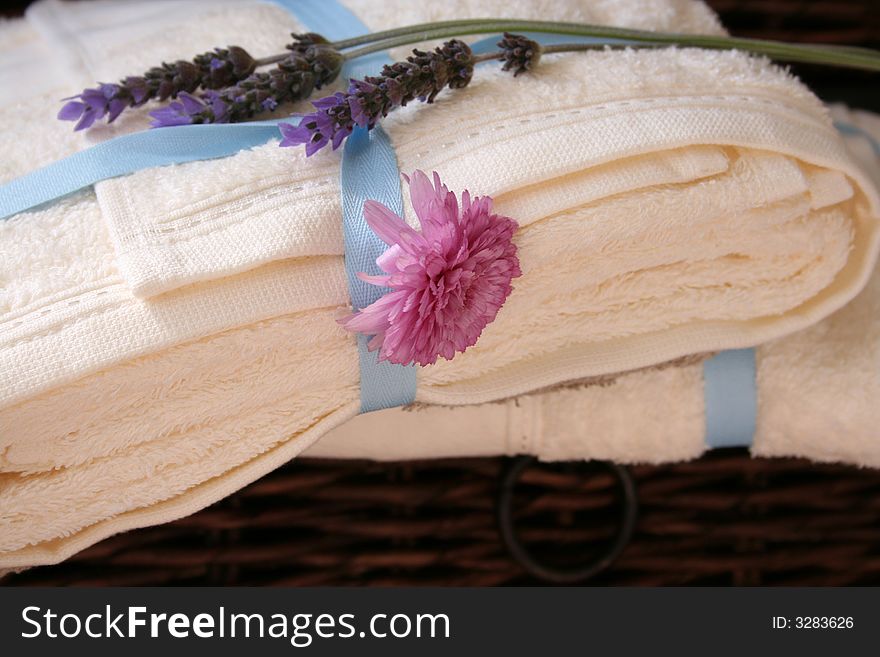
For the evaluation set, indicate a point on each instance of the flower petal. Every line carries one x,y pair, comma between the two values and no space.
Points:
388,260
422,195
172,115
387,225
115,109
369,321
87,119
191,104
381,281
71,111
293,135
315,144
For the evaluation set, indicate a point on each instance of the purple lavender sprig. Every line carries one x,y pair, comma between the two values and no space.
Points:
422,76
210,70
312,64
519,53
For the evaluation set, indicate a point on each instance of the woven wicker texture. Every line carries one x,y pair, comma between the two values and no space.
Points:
818,21
724,519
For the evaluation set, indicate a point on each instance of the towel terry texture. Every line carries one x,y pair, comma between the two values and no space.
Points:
817,397
171,335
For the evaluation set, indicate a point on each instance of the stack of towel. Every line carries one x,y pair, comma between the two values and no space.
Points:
170,336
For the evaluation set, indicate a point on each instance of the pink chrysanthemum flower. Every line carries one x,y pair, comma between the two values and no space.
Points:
447,281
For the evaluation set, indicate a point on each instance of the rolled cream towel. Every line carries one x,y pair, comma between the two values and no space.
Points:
817,393
172,336
817,399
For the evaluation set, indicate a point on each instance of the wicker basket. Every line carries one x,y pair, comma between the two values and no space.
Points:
724,519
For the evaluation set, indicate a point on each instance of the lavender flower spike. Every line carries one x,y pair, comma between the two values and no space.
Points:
211,70
309,66
93,104
519,53
422,76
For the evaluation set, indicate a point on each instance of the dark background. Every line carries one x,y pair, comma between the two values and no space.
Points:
724,519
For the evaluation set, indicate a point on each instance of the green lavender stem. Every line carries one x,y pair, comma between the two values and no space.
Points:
567,47
844,56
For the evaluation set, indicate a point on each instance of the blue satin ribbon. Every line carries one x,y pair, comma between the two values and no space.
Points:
730,392
369,171
127,154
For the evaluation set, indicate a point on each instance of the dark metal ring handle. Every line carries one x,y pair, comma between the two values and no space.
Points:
629,513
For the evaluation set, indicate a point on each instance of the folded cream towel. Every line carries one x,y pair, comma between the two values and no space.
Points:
817,397
671,202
